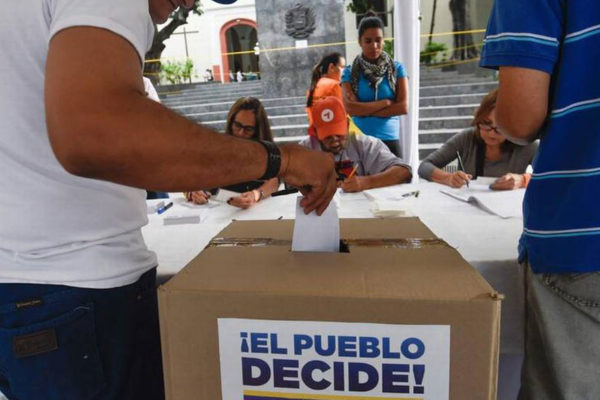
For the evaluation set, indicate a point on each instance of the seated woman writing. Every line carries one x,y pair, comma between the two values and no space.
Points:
483,152
247,119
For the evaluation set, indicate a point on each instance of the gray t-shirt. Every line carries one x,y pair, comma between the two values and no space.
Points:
371,154
515,161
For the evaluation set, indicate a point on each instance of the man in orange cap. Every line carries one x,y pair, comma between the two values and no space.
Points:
365,161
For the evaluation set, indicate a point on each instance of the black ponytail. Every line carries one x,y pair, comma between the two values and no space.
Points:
319,70
370,20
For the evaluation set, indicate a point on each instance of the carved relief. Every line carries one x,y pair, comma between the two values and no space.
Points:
300,21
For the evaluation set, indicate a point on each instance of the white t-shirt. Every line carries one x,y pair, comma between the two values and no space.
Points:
57,228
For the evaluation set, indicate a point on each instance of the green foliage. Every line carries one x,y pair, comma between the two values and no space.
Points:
431,52
359,6
388,47
182,13
177,71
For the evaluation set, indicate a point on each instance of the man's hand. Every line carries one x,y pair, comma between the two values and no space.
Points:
244,200
508,182
353,185
312,172
458,179
199,197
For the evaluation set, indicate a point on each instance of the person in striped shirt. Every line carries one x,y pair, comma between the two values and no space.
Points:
547,53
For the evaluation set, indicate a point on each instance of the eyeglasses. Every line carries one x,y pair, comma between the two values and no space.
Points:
488,127
247,128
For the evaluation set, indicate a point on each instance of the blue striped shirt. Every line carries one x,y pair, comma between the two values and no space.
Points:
561,208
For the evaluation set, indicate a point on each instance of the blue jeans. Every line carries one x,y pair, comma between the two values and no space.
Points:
562,337
60,342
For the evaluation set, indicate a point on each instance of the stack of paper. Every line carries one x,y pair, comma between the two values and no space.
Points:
389,202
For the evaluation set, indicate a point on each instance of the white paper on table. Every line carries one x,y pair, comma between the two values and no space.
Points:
503,203
314,233
224,195
390,209
194,206
389,193
183,216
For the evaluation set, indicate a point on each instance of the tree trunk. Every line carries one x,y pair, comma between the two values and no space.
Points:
152,69
461,21
432,21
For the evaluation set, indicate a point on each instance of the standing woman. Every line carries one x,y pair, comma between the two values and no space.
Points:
325,82
375,87
247,119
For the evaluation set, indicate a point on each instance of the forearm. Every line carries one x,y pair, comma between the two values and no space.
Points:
440,176
400,104
134,141
522,103
391,176
526,179
269,187
363,109
392,110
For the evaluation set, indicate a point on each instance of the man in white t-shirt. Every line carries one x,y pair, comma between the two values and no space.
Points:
78,316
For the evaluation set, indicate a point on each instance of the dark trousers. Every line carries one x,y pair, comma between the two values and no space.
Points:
394,146
60,342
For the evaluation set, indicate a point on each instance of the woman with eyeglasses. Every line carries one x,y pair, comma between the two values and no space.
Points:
247,119
483,152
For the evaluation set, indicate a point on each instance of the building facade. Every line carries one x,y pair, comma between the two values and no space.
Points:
208,40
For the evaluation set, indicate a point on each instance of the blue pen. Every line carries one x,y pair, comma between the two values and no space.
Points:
164,208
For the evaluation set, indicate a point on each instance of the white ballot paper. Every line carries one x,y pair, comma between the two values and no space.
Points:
314,233
503,203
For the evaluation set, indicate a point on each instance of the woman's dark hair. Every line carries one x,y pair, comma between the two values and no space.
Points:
319,70
370,20
263,129
488,104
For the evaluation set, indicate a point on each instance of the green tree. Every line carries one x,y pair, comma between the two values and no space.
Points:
176,19
360,6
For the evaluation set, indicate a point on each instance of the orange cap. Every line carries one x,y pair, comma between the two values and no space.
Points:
329,117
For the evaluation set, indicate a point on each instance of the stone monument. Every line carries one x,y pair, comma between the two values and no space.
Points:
287,29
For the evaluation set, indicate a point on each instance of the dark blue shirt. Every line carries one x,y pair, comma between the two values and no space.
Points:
561,209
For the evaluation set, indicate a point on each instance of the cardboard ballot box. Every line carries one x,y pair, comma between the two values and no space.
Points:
397,314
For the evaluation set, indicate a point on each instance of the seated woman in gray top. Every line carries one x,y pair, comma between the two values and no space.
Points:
484,152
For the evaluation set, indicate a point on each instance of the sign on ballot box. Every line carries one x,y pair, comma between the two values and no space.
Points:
396,314
260,359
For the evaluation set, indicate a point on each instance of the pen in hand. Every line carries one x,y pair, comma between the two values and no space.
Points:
461,166
353,172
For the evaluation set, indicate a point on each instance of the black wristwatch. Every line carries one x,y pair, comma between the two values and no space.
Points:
273,160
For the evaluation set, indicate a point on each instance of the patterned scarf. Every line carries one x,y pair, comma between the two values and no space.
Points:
375,73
